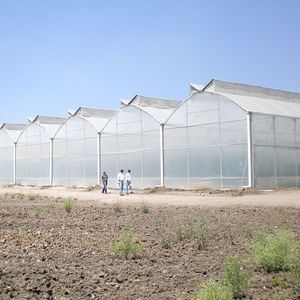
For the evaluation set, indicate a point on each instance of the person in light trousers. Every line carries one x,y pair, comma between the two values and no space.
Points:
120,179
128,182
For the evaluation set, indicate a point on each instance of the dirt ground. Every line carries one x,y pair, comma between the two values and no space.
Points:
47,253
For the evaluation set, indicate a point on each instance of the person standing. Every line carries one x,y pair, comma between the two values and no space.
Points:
120,179
128,182
104,181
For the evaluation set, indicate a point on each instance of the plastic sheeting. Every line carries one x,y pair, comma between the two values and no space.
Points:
276,151
75,154
131,140
33,156
205,143
6,158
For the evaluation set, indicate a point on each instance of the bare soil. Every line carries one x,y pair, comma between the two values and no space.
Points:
47,253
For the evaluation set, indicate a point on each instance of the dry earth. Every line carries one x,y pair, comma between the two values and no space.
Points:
47,253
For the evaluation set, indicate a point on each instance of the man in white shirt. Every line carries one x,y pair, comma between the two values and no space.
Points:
128,182
120,179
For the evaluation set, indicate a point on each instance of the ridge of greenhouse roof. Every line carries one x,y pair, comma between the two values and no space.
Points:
96,117
49,124
47,120
159,108
162,103
94,112
12,126
255,98
228,87
13,130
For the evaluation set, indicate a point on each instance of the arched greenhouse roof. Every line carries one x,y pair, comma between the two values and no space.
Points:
254,98
97,118
13,130
158,108
49,124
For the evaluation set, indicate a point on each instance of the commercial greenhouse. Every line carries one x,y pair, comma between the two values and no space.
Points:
231,135
133,139
34,151
9,134
224,135
76,148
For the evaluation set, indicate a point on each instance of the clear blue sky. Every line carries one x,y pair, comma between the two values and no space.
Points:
61,54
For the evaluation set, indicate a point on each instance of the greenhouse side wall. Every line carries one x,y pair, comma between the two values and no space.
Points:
75,154
206,144
131,140
276,151
33,156
6,159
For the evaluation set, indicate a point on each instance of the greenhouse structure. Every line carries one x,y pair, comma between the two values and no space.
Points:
133,139
229,135
223,136
76,148
9,134
34,164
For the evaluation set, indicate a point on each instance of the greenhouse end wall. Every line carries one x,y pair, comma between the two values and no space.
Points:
33,156
6,158
276,151
206,144
131,140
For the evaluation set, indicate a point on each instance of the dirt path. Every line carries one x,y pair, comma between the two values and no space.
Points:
283,198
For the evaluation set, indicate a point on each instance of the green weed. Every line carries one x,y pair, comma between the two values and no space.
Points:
273,251
236,278
40,209
117,208
295,271
213,290
68,204
126,245
145,209
166,241
90,188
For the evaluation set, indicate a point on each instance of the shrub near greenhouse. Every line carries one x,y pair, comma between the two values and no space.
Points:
274,251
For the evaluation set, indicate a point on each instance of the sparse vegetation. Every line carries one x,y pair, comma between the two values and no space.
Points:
117,208
236,277
166,241
20,196
32,197
145,209
199,232
274,251
295,271
40,209
68,204
213,290
90,188
126,245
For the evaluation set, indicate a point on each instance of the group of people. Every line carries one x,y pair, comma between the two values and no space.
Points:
121,178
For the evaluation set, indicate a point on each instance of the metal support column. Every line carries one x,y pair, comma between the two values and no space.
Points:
249,137
162,164
15,163
51,163
99,158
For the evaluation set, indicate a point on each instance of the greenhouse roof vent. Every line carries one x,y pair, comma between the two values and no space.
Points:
255,99
13,130
160,109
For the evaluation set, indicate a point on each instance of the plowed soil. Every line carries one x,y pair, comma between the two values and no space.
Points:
47,253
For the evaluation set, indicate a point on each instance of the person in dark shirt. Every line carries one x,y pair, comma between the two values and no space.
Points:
104,181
